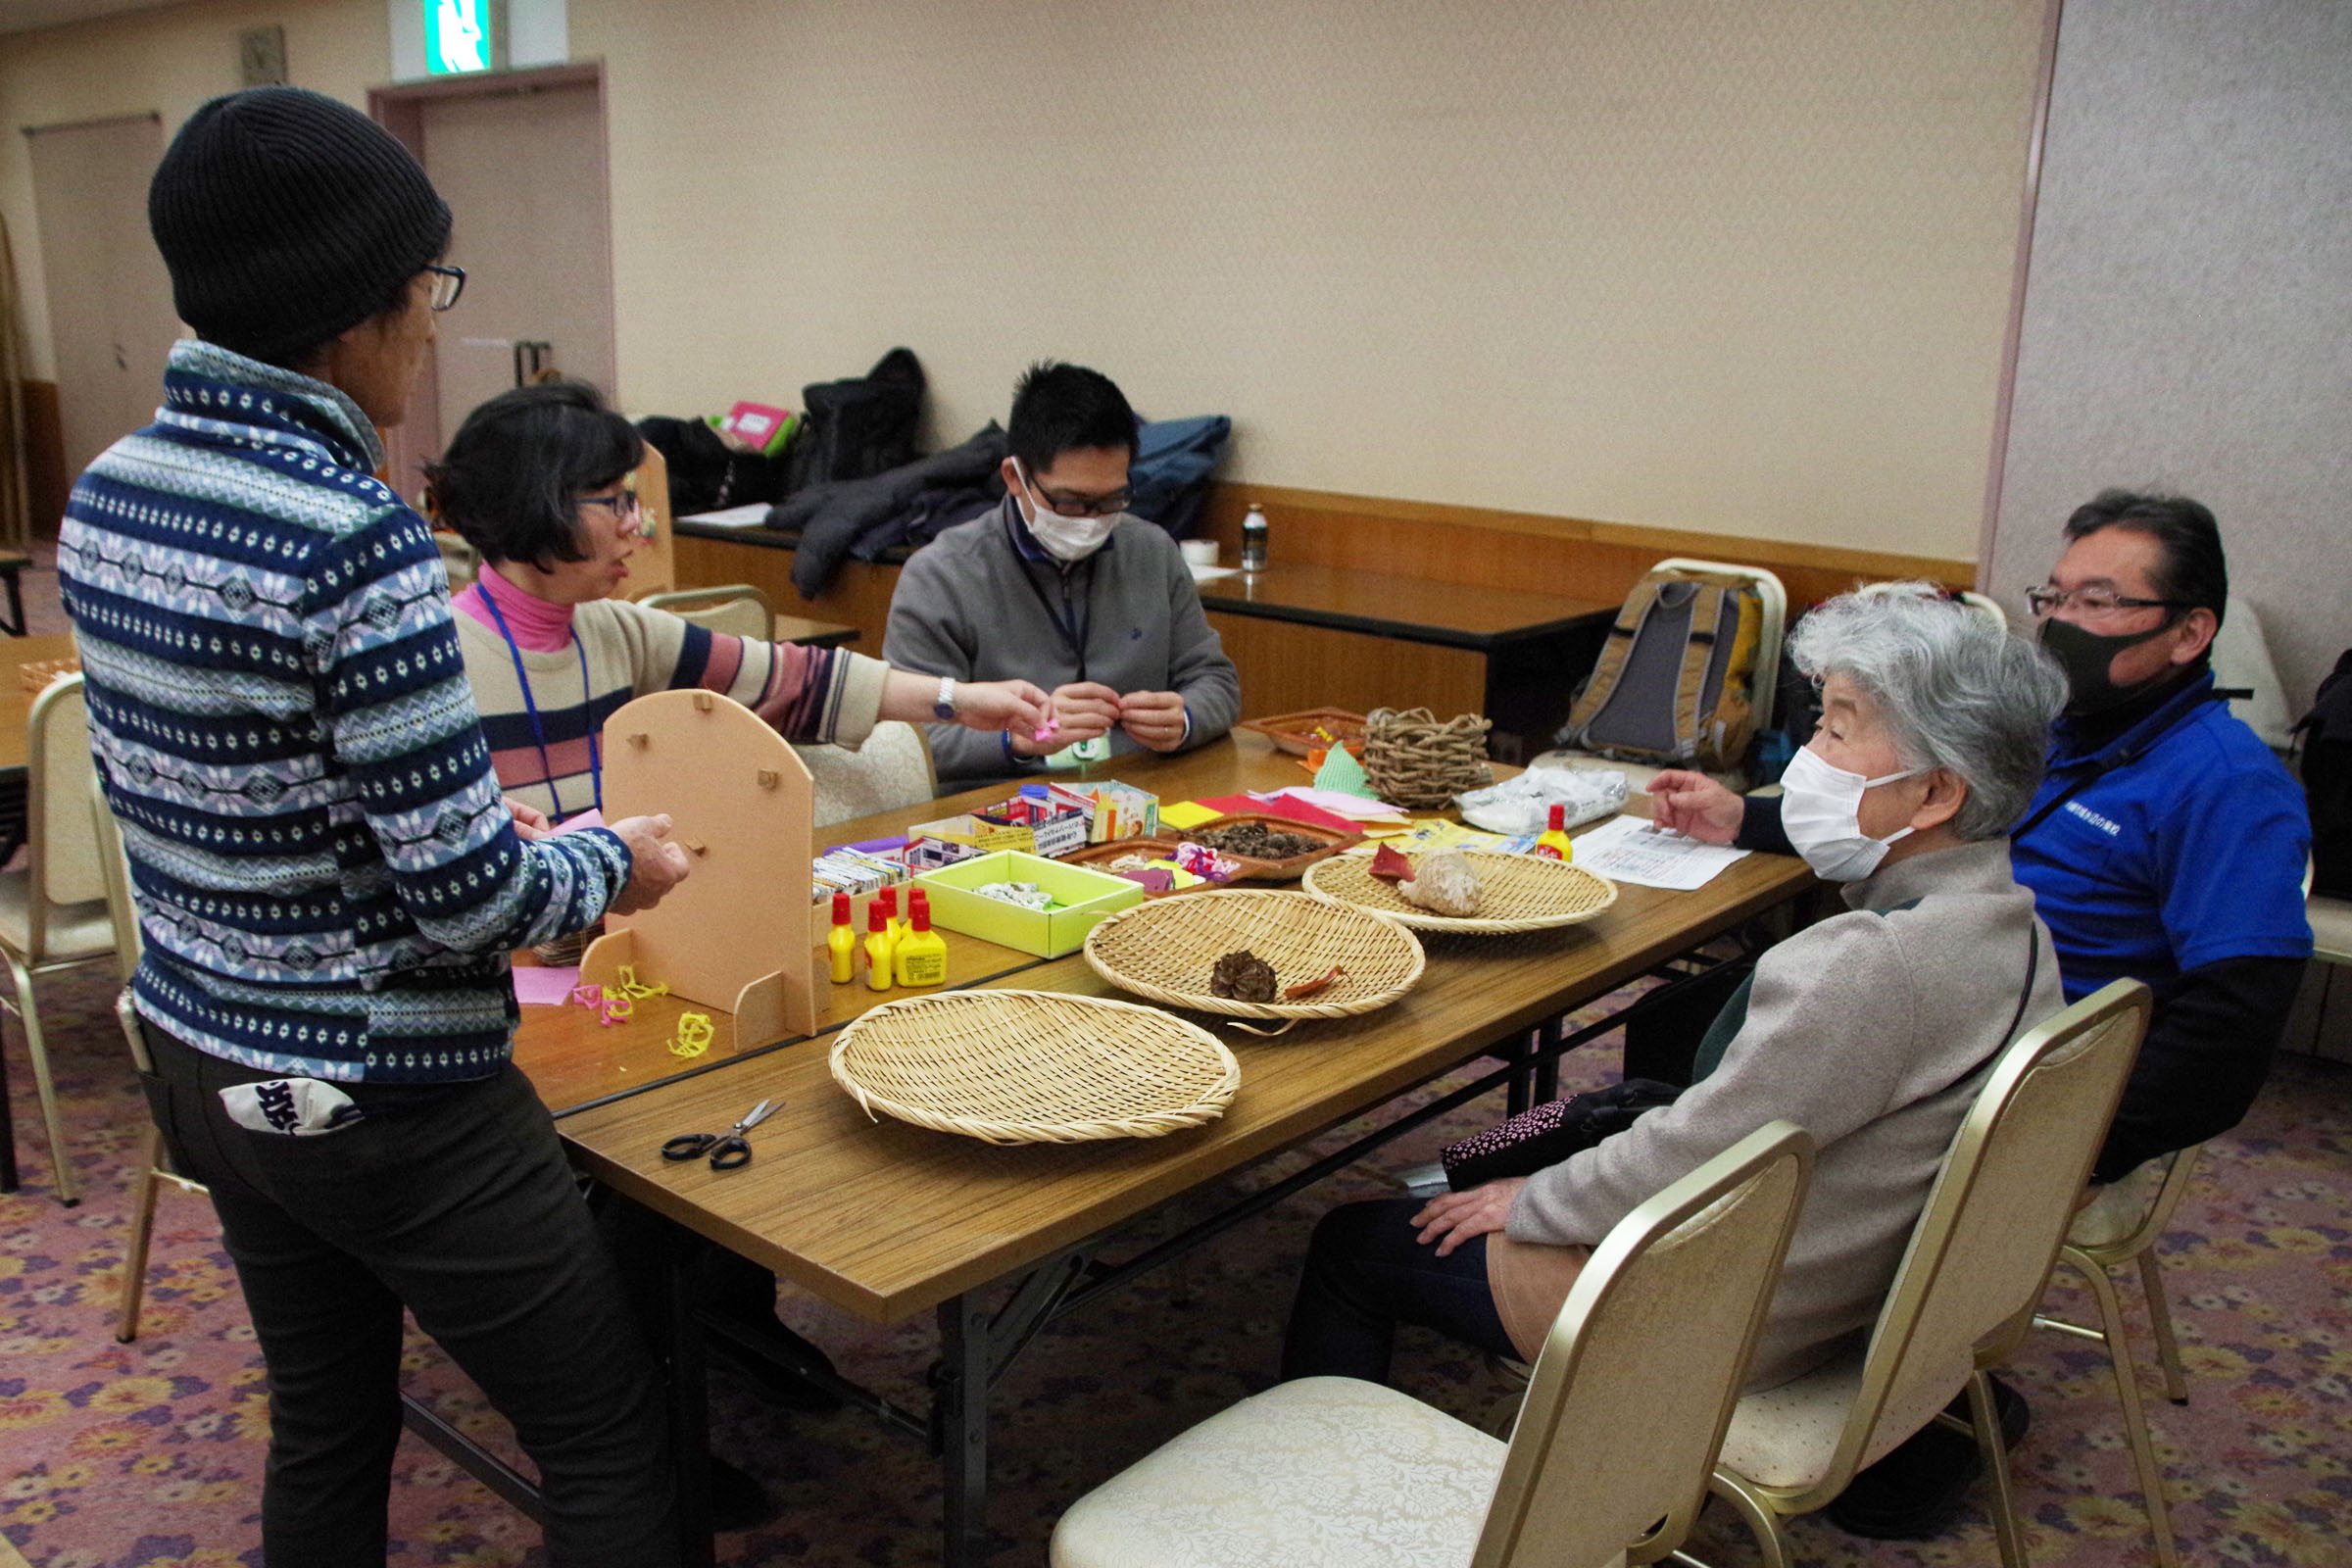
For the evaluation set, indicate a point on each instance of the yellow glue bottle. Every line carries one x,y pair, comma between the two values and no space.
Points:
878,948
841,943
888,898
1553,843
922,955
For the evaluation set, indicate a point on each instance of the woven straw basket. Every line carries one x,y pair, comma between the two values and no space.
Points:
1414,761
1165,952
1515,893
1034,1066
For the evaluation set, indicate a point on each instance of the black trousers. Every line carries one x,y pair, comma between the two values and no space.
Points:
453,1201
1366,1272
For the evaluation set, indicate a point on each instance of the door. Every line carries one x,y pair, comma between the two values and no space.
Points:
521,165
111,316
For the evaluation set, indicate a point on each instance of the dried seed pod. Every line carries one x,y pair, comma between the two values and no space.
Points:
1242,976
1444,883
1308,988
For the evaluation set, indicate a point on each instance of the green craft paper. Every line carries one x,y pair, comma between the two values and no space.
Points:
1341,771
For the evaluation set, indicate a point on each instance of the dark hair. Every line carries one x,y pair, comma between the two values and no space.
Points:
512,473
306,359
2191,569
1061,408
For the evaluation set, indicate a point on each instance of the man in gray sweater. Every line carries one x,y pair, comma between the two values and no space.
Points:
1061,587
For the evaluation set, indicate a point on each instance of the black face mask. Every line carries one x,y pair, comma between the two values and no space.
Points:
2087,656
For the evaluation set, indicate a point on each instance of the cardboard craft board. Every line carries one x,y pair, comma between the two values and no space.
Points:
734,935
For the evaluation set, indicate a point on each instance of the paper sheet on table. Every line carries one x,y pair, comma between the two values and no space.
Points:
1202,573
750,516
1187,814
545,988
1625,849
1353,807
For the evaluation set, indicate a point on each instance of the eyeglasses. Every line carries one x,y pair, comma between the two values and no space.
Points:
623,505
2044,600
448,283
1082,506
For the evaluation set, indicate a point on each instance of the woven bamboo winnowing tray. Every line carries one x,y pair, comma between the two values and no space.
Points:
1034,1066
1165,951
1515,893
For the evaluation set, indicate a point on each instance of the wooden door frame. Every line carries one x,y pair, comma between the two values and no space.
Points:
400,108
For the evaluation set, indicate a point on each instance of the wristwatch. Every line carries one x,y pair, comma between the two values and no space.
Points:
945,706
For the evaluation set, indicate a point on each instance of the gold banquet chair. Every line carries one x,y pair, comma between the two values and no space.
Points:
53,912
2121,1226
893,769
152,1172
1964,1296
736,610
1608,1464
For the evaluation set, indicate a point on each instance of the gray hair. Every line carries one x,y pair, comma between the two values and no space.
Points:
1954,688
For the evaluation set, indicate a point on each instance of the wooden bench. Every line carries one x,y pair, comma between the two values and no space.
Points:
1368,602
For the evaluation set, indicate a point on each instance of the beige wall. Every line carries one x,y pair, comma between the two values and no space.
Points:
167,61
1734,267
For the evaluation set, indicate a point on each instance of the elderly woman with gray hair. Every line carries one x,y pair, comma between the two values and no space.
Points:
1872,1029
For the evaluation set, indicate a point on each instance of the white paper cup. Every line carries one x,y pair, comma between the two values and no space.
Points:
1198,551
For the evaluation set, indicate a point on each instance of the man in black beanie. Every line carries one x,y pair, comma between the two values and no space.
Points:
326,877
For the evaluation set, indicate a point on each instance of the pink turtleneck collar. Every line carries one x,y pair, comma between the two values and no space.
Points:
539,627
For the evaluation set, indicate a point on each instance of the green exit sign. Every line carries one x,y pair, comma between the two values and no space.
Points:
457,36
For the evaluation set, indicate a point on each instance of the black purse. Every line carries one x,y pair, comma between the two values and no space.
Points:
1550,1133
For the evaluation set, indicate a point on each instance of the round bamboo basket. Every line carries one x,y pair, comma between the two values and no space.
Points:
1165,952
1515,893
1034,1066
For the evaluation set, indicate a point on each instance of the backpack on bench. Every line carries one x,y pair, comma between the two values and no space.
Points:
1675,684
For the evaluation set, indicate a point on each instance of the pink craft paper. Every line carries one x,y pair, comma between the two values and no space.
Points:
1295,810
591,817
545,988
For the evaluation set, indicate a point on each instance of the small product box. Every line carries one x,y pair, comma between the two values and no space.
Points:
1085,897
1055,827
973,831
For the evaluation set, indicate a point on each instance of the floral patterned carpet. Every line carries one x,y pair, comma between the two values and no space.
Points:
149,1454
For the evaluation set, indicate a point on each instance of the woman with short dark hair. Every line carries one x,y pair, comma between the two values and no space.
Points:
537,479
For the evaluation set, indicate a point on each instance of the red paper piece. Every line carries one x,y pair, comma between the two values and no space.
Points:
1284,807
1391,866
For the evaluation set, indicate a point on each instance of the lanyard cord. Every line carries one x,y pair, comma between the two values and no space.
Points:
1073,630
596,762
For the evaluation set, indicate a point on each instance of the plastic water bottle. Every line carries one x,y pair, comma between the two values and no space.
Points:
1254,540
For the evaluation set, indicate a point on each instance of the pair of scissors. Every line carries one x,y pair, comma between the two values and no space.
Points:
728,1150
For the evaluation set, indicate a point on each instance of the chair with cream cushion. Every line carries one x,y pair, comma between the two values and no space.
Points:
736,610
53,914
2121,1225
1608,1463
1965,1292
154,1169
893,769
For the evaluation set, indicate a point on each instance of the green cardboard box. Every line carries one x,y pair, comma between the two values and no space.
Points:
1086,896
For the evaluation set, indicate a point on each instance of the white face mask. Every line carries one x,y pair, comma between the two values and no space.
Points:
1063,538
1821,812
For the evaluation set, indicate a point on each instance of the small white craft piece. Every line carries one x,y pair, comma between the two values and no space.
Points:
734,935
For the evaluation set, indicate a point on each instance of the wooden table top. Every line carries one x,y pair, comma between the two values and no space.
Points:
815,633
15,703
887,1219
1410,608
